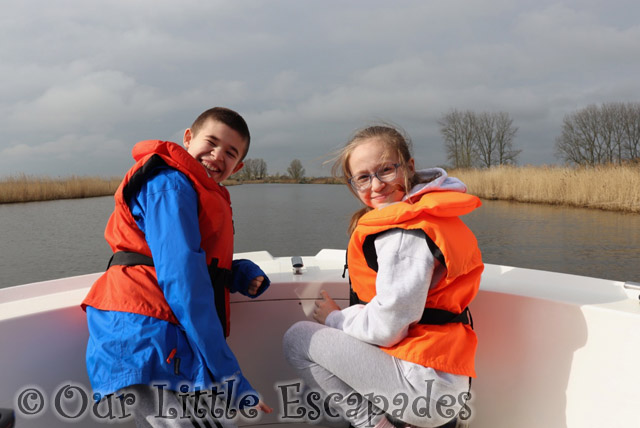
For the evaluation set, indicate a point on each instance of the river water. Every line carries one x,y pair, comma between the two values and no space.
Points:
48,240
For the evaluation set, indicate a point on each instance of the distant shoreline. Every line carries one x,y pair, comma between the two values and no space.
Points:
23,188
612,188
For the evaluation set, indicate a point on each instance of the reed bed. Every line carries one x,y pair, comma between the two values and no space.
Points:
614,187
24,188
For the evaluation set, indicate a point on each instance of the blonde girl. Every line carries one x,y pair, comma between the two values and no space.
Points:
403,353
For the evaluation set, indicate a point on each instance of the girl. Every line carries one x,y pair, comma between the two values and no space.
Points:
403,353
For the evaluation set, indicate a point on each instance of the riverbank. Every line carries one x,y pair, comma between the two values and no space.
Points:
614,188
24,188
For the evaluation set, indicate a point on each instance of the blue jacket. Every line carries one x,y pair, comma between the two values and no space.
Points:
126,349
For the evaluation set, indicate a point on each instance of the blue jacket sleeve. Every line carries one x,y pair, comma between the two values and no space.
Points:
166,209
244,271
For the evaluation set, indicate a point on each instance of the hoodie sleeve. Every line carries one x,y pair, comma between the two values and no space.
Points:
405,269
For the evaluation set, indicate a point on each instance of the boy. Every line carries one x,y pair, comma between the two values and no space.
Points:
158,316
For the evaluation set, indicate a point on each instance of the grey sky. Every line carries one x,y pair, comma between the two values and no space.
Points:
82,81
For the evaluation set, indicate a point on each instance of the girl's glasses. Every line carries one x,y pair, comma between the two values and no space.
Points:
385,174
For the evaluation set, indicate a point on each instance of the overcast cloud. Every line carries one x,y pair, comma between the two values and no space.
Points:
82,81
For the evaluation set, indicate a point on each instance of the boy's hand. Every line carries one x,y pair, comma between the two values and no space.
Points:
255,285
263,407
324,307
248,278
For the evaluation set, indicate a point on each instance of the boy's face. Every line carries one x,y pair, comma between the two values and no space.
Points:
218,148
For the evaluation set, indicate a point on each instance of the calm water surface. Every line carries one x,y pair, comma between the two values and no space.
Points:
47,240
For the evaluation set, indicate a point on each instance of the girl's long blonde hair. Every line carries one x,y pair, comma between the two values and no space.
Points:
395,141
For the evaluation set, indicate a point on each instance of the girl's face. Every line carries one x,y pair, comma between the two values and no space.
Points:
371,157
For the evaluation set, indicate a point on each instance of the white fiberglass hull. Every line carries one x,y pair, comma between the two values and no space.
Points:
554,350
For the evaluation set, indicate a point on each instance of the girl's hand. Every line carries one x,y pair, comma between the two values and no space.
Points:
324,307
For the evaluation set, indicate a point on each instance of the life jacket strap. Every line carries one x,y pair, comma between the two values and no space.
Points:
129,258
371,255
441,316
430,316
220,278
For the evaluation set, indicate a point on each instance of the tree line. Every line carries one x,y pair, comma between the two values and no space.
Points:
594,135
478,139
597,135
256,169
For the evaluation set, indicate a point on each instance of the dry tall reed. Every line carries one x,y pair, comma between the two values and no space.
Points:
614,187
23,188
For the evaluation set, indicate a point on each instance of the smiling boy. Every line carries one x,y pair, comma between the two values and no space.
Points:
159,315
217,146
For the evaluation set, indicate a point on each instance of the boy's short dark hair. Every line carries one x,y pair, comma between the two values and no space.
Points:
227,116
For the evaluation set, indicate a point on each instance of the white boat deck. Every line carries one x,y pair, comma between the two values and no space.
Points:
555,350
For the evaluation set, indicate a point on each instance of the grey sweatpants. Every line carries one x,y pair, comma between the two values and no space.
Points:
343,370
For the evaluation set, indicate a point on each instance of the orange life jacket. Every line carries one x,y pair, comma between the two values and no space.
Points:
132,286
448,347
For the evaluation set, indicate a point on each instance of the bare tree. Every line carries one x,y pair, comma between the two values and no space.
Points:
248,170
253,169
458,130
478,139
579,141
631,130
505,132
612,131
260,168
596,135
486,141
295,170
247,173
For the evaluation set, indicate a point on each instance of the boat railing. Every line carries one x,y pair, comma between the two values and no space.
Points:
634,287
